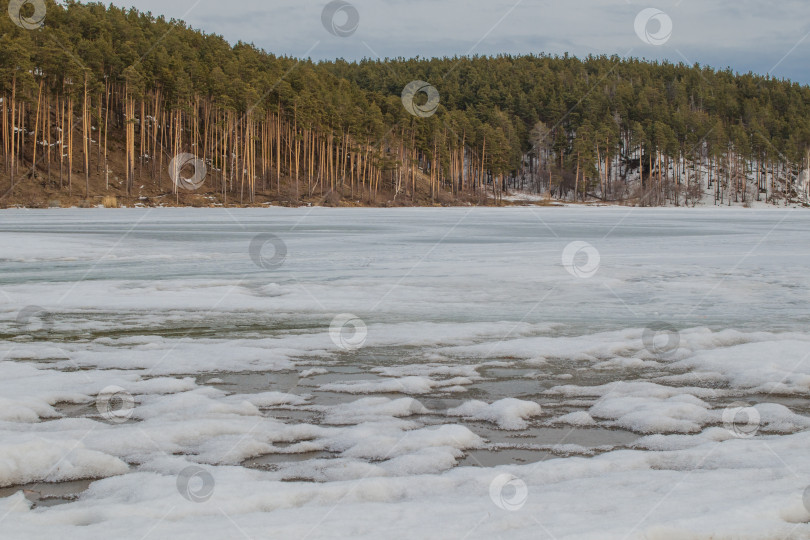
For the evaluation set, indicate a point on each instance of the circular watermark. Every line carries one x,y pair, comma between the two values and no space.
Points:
741,420
193,182
508,492
661,339
430,406
436,405
262,242
581,259
115,404
409,99
31,22
34,319
195,484
332,14
348,332
646,28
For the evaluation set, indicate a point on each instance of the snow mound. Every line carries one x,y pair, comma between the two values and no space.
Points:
44,460
509,413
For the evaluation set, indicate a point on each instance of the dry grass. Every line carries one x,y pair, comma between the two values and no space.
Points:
109,202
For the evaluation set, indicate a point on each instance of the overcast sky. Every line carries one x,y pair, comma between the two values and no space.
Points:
747,35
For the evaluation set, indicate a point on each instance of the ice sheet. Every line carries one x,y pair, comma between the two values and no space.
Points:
208,396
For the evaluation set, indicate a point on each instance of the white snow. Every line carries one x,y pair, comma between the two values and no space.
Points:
579,418
507,413
486,364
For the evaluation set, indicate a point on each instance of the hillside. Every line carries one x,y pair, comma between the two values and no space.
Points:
100,102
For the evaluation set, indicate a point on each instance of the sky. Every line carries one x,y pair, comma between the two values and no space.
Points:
746,35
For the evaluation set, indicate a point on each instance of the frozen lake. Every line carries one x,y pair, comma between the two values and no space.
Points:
416,373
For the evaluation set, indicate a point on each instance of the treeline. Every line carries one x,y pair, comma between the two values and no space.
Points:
102,93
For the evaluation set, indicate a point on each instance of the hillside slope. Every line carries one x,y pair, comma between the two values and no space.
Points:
104,102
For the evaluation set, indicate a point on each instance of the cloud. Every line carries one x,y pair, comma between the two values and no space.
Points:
747,35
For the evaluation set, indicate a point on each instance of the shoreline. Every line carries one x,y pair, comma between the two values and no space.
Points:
516,200
764,207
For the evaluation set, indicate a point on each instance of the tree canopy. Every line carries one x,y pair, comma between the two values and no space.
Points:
604,127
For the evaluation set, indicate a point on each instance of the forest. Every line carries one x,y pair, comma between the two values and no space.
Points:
103,105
